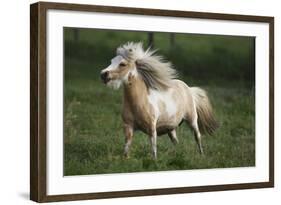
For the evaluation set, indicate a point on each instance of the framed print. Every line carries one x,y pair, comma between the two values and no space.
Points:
135,102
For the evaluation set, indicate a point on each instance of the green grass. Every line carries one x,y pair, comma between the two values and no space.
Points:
94,139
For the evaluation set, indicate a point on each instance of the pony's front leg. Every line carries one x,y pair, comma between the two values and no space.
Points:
129,131
153,141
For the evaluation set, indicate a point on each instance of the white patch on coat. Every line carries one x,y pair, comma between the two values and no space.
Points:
114,64
164,96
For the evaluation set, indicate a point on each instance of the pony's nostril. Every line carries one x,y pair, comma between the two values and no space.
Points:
104,75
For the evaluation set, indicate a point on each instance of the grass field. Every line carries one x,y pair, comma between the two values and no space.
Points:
93,133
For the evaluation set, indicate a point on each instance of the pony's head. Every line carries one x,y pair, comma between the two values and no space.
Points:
132,59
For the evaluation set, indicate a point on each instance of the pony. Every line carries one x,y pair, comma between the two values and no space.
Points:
154,100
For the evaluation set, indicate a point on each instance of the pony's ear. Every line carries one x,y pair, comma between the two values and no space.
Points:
130,78
138,63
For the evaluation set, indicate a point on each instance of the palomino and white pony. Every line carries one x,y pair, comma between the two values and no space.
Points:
154,101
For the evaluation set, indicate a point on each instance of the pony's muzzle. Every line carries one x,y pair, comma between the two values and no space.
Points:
104,76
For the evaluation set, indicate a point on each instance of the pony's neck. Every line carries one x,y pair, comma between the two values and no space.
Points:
135,91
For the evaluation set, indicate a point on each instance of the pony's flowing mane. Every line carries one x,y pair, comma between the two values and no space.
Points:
155,72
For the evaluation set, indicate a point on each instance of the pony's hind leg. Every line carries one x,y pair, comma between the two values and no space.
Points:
173,136
197,135
194,126
129,131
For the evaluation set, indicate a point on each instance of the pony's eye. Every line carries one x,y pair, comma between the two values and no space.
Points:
122,64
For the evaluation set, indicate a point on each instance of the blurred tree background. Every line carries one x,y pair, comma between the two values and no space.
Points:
199,57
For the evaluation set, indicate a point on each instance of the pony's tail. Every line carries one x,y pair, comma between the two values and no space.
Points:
206,120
